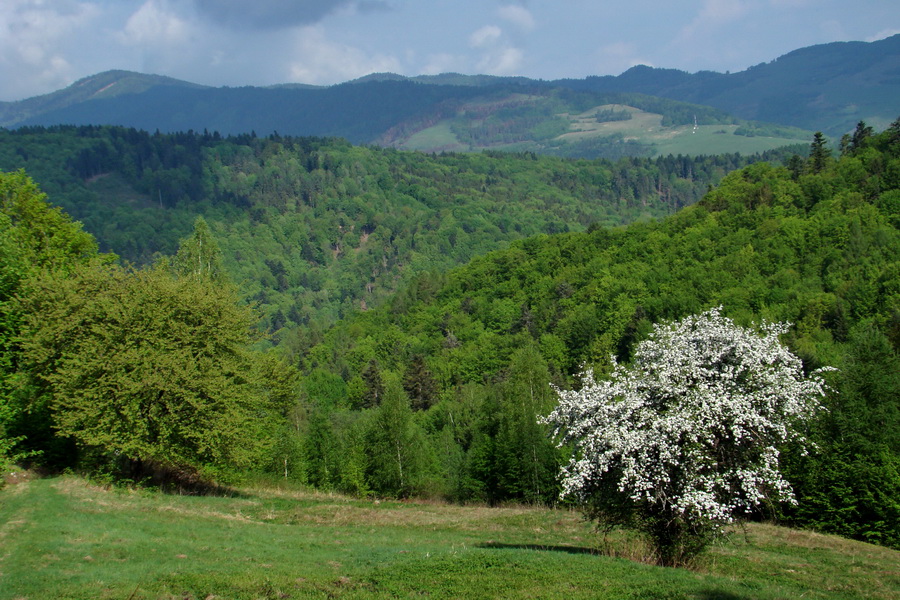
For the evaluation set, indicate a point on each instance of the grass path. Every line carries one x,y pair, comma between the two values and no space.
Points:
64,538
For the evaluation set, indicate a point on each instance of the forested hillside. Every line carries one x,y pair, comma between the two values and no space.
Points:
463,359
438,391
311,228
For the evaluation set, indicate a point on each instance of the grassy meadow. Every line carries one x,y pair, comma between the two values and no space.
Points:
65,537
643,127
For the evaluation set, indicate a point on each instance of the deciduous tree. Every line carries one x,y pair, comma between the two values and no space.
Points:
686,439
34,236
151,367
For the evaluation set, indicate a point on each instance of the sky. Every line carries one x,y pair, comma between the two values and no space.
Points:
48,44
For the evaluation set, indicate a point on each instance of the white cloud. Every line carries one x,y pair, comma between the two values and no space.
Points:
502,61
498,55
617,57
518,15
485,36
320,61
712,16
33,39
884,33
156,24
280,14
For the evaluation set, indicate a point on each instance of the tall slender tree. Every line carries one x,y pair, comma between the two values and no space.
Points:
199,254
819,153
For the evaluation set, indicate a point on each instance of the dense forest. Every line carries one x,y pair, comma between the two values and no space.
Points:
463,359
436,391
313,228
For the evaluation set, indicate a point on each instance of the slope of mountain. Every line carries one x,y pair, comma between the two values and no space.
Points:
409,114
816,245
358,113
829,87
109,84
316,226
644,111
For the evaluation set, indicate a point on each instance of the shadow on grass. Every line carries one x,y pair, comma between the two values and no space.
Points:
546,548
720,595
171,479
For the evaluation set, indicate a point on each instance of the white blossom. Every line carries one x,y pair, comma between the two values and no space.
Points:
692,427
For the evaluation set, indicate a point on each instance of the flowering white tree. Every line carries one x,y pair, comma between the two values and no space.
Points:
685,439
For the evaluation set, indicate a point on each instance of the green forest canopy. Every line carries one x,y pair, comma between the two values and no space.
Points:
314,228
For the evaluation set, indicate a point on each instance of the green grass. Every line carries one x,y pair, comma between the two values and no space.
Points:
435,139
716,139
65,538
643,127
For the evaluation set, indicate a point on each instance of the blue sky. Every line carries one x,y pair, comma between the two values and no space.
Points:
48,44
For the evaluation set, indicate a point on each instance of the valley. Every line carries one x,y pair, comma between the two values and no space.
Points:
309,341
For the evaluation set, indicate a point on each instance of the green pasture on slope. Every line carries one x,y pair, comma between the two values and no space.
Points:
65,538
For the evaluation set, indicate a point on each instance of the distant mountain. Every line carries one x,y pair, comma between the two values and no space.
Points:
411,114
644,111
829,87
110,84
359,113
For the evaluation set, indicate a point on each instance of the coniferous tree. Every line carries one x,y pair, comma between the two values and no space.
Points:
860,135
529,460
796,166
419,384
819,153
374,386
396,447
320,451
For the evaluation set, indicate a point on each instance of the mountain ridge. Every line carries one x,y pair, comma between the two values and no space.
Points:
829,88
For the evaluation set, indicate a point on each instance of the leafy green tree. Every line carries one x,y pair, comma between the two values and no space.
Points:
34,237
199,254
46,237
151,367
10,274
